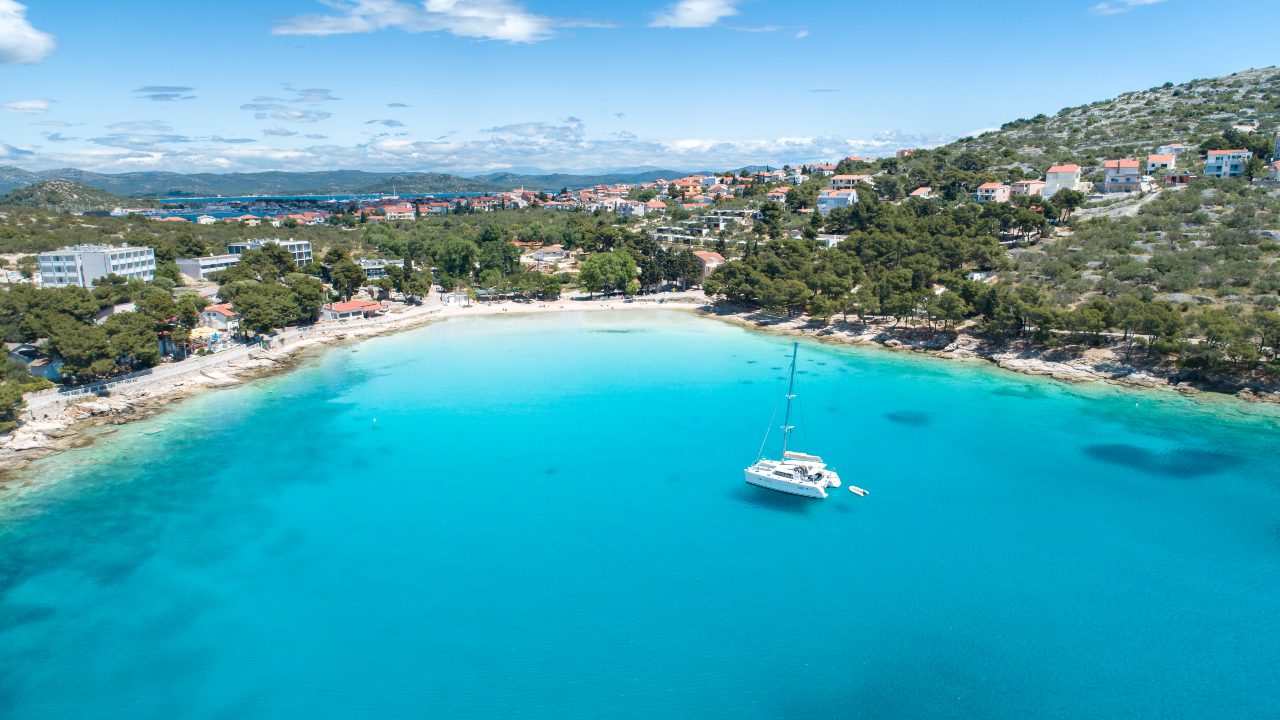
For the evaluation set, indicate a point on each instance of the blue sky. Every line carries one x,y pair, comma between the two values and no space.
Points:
483,85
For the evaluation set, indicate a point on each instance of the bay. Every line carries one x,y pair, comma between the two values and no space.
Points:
544,516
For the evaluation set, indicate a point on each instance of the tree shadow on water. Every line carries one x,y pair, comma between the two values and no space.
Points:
1183,462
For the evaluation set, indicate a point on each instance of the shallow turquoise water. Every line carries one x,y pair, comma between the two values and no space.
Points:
544,517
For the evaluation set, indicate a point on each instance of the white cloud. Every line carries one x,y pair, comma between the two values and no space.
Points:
269,108
165,93
30,107
695,13
802,34
20,43
505,20
554,146
277,131
1115,7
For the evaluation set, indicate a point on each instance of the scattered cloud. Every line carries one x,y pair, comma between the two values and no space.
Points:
1115,7
505,20
30,107
311,95
757,28
165,93
823,90
55,124
11,153
802,34
694,13
387,123
269,108
20,42
560,145
619,115
572,132
397,105
139,135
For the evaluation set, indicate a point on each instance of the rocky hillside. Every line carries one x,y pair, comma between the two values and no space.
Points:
63,196
1244,107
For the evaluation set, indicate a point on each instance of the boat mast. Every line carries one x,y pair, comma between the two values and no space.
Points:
787,427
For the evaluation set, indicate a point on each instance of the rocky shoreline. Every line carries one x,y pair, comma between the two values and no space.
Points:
1067,364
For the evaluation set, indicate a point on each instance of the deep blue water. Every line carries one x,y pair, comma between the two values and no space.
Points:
544,517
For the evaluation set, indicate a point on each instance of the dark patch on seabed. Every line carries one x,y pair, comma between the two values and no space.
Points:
1183,462
1025,391
17,615
908,417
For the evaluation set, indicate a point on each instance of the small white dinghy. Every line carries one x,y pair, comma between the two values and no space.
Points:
859,491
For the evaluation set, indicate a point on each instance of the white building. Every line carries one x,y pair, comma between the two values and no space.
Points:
83,265
206,220
829,200
1227,163
299,249
221,317
630,208
1172,149
1062,177
374,268
200,268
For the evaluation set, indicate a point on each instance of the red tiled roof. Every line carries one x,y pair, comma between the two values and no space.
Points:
708,256
1120,164
365,305
1225,152
224,309
1160,158
990,186
1065,168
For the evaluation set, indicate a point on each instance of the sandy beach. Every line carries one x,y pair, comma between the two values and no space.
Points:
54,421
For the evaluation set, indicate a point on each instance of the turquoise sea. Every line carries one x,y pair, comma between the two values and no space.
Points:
544,517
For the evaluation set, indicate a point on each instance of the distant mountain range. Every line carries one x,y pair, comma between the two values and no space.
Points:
168,184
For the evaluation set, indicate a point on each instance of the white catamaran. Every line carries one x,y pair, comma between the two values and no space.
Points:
796,473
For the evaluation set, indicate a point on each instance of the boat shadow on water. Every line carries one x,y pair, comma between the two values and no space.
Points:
772,499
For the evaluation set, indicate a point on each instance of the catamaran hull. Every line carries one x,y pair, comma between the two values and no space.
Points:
791,488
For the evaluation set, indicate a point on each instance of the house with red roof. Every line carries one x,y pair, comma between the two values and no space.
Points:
846,182
710,260
1227,163
831,199
1062,177
924,193
1121,175
1027,187
350,309
992,192
221,317
1160,162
